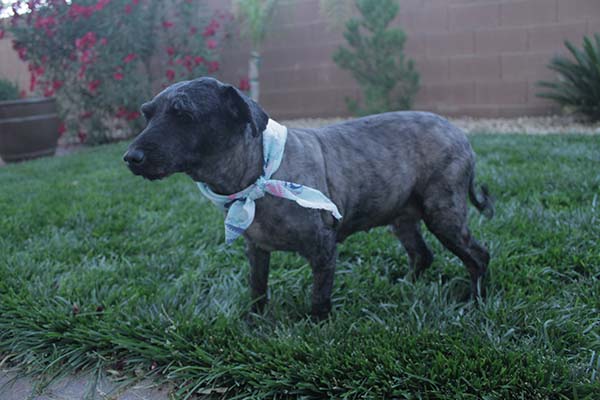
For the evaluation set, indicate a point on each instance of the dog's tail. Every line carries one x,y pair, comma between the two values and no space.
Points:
485,205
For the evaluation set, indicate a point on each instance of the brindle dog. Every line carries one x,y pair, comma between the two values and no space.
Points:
394,169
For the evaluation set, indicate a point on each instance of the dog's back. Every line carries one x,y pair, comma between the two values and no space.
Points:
375,164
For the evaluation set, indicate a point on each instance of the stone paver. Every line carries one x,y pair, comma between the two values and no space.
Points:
77,388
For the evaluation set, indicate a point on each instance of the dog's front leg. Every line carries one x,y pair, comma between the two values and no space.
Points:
323,268
259,275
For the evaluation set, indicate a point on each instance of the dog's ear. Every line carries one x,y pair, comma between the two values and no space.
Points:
244,109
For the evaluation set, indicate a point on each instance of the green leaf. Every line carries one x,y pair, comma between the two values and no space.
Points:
375,57
579,78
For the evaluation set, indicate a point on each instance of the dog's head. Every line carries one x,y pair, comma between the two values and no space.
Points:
191,123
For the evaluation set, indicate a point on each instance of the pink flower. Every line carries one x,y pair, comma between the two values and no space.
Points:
170,74
85,57
86,114
211,44
209,31
82,136
132,115
129,57
93,85
170,50
193,30
121,112
167,24
87,40
1,33
244,84
118,76
188,62
103,41
211,28
56,84
36,70
76,10
91,38
128,9
136,2
198,60
101,4
22,51
46,23
32,82
62,129
213,66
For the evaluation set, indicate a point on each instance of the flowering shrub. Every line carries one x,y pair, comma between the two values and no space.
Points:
103,58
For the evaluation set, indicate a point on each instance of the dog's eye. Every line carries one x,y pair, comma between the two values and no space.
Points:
181,113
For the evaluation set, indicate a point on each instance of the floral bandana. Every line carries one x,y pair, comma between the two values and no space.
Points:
240,206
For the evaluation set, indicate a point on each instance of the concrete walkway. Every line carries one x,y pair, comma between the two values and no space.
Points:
77,388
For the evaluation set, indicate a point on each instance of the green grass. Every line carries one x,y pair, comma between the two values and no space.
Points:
103,271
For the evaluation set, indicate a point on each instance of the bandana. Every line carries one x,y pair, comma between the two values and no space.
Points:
240,206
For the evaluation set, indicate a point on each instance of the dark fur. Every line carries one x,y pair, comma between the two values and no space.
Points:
390,169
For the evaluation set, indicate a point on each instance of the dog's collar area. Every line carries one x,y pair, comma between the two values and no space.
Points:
240,206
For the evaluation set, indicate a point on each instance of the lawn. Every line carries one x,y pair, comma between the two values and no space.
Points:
103,271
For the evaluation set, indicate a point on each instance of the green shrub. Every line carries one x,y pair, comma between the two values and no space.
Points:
8,90
376,59
578,85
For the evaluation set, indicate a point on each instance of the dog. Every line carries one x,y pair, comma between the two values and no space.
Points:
396,168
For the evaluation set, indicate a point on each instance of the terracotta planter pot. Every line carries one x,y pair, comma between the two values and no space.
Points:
28,129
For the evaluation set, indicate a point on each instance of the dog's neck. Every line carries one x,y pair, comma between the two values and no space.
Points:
232,172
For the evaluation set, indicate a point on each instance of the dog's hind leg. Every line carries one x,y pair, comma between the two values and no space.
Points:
446,217
259,275
420,256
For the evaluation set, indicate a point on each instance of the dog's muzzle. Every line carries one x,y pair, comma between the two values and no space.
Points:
134,157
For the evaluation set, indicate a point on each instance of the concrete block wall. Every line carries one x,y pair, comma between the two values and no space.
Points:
11,67
476,57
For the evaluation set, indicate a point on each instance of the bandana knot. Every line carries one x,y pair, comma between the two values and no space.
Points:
240,206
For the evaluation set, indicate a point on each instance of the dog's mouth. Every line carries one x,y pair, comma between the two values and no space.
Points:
149,175
154,177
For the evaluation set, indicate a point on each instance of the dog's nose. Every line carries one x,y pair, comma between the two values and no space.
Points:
134,156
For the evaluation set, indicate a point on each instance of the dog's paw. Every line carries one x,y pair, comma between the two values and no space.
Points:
320,312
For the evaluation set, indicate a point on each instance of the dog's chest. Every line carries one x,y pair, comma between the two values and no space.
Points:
281,224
